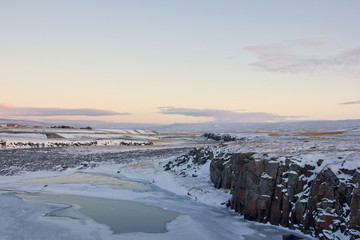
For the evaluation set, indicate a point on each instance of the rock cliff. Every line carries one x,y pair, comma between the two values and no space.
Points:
282,191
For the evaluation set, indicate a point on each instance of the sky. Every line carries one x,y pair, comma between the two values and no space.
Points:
186,61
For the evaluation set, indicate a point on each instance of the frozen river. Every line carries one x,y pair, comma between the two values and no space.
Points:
108,207
113,193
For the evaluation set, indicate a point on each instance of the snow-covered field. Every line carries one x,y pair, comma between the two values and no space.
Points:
25,217
136,173
54,137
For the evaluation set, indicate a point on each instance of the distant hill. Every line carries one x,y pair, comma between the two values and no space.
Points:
216,127
226,127
24,122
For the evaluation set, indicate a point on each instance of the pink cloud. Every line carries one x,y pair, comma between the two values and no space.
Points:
311,42
282,57
8,110
350,103
225,115
6,105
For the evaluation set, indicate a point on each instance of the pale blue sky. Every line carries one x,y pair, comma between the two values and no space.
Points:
289,59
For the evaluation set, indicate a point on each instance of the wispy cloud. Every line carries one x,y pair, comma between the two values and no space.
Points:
310,42
8,110
350,103
295,56
225,115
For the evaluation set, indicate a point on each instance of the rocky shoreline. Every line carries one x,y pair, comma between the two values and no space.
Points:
281,191
70,143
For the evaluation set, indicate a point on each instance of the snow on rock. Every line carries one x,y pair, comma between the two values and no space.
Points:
195,183
314,193
68,143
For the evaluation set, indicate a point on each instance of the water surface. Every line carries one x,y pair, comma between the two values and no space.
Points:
89,178
119,215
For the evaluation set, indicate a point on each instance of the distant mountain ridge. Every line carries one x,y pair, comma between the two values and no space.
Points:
216,127
224,127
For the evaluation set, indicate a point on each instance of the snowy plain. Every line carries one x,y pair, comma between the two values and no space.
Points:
196,220
200,207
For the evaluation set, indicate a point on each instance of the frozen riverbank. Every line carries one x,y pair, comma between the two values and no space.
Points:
30,205
185,188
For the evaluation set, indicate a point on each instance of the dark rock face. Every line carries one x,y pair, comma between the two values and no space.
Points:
197,156
280,191
284,193
222,137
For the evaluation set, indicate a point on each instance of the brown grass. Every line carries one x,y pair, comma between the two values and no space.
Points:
315,134
128,136
273,134
159,140
180,134
333,150
53,135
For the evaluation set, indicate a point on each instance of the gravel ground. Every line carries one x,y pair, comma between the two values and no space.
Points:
12,161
